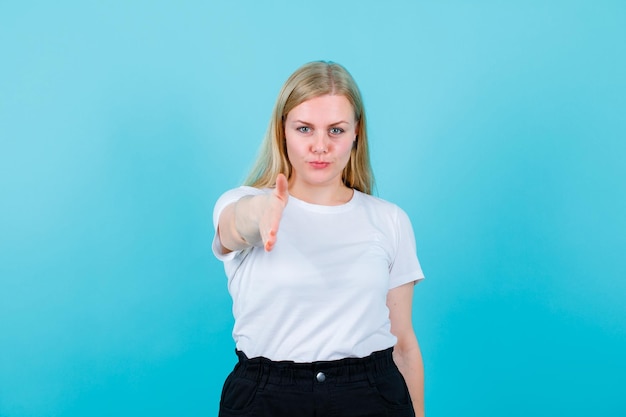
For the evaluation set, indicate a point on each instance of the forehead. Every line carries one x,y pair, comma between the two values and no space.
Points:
323,108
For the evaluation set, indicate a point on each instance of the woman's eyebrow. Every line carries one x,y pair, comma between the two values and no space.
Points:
298,121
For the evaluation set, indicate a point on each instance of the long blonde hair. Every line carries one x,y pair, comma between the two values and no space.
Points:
309,81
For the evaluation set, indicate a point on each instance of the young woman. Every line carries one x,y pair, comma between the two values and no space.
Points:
321,273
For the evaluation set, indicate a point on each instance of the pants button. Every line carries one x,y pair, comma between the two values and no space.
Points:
321,377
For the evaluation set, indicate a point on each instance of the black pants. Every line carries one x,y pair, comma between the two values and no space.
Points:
352,387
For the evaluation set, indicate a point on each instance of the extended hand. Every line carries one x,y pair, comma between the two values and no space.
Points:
270,217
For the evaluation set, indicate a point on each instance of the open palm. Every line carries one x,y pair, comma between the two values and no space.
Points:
269,219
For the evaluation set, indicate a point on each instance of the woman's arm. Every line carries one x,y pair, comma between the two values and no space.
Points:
406,353
253,219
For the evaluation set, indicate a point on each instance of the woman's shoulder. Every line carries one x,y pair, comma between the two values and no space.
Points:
235,194
376,203
380,209
242,191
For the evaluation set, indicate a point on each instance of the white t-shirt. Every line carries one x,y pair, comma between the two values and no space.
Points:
320,294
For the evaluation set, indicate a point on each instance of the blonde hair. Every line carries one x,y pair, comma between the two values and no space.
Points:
312,80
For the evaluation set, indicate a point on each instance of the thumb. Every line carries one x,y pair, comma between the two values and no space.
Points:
281,187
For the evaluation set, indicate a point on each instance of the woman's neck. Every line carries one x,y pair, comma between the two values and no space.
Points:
322,195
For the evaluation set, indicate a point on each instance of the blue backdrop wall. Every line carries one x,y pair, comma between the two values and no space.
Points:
499,126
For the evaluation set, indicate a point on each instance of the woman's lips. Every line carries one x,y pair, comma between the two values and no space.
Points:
319,164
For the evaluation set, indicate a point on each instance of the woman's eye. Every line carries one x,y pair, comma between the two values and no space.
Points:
304,129
336,131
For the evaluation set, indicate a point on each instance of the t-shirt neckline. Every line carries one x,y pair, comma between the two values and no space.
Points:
319,208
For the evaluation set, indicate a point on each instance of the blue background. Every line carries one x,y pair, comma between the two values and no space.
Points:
499,126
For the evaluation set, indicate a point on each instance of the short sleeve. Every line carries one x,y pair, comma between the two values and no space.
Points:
226,199
405,267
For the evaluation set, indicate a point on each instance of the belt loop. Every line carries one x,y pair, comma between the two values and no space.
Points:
289,376
349,371
263,375
242,362
370,368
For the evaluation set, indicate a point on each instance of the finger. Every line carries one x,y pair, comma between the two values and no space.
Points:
269,244
281,187
269,240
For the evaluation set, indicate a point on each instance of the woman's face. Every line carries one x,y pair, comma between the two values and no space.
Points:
320,133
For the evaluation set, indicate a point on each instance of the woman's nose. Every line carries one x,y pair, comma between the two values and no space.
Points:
320,145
